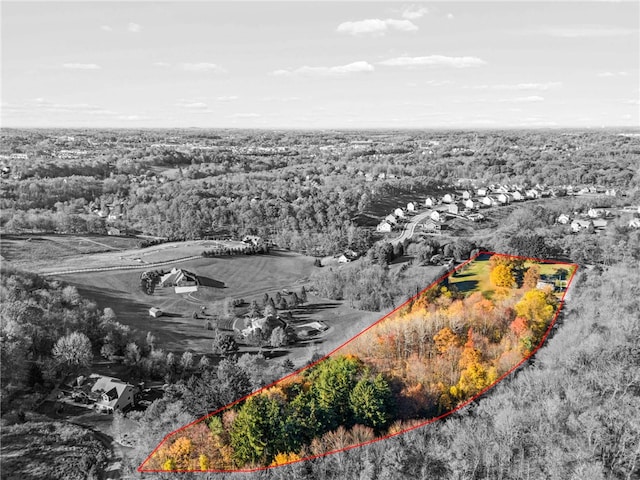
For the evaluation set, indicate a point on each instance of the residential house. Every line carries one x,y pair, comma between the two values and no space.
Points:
466,195
471,204
435,216
411,207
490,201
114,394
348,256
113,231
429,202
155,312
533,193
482,192
456,208
634,223
398,212
545,285
563,219
391,219
448,198
579,225
595,212
178,277
263,326
517,196
384,227
252,239
600,223
431,226
505,198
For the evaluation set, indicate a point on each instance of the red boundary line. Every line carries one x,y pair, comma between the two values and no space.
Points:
427,422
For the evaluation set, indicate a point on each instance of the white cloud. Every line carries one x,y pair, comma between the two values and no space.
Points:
529,99
227,98
81,66
106,28
246,115
413,12
193,105
450,16
375,26
520,86
613,74
134,27
161,64
434,60
202,67
582,31
340,70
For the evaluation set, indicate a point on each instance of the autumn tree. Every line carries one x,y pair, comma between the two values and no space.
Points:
531,277
502,276
538,308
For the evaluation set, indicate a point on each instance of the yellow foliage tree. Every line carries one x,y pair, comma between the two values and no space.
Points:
538,308
169,464
180,451
502,276
445,339
284,458
203,460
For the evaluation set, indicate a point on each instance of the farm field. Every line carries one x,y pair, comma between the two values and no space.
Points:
427,359
46,254
245,277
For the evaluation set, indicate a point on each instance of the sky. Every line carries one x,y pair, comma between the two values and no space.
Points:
320,64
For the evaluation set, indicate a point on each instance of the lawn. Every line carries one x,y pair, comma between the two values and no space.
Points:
246,277
474,277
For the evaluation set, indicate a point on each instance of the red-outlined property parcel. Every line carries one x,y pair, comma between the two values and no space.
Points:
428,358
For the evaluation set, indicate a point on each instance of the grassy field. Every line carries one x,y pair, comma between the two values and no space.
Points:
246,277
22,250
474,277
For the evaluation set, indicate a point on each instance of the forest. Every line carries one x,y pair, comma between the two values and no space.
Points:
431,356
308,192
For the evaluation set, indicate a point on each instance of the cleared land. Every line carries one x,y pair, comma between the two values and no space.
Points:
240,277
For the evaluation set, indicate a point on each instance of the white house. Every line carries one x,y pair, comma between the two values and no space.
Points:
563,219
429,202
634,223
579,225
431,226
411,207
155,312
466,195
398,213
391,219
471,205
114,394
383,227
517,196
600,223
435,216
448,198
532,193
482,192
595,212
490,201
505,198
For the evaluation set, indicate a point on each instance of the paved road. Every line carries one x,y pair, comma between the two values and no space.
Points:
410,227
